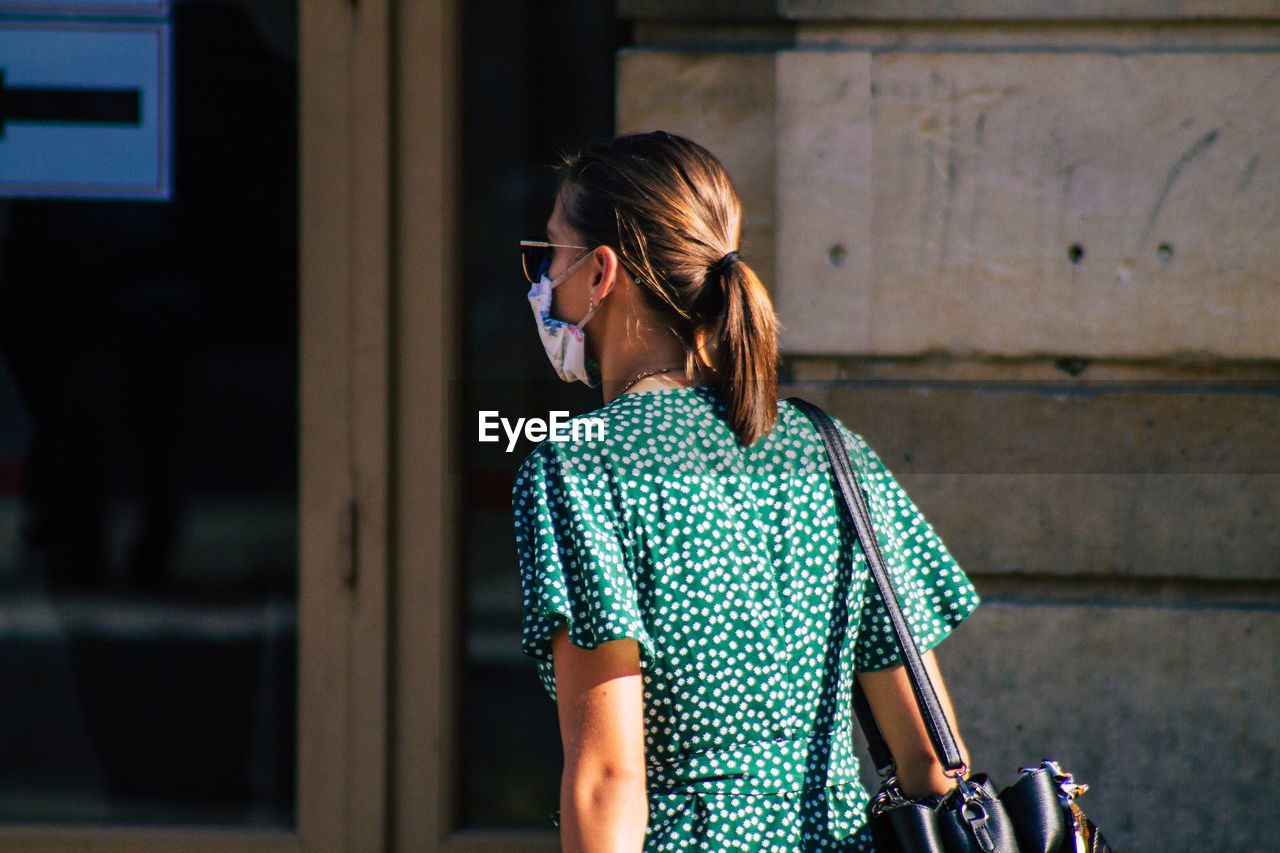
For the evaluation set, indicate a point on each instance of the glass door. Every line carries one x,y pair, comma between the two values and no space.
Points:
149,418
227,471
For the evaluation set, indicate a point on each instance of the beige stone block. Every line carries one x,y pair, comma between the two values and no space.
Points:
1167,713
1136,485
824,193
978,10
942,10
1062,372
1097,204
1206,526
724,102
1026,427
1090,204
1164,35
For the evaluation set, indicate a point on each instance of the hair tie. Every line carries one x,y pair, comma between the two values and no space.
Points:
719,267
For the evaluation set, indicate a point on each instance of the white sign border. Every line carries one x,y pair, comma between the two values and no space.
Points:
163,191
110,9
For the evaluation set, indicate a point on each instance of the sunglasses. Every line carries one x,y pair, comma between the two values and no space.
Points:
536,254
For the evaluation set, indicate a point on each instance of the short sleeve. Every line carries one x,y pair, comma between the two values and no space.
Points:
573,558
933,591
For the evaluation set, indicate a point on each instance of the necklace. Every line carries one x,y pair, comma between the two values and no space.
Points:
645,375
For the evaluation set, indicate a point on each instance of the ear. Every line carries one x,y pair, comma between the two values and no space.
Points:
605,274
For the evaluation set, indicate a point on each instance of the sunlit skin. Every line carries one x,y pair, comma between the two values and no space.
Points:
599,691
599,702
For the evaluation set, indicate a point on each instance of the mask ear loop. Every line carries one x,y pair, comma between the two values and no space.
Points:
591,309
592,305
552,284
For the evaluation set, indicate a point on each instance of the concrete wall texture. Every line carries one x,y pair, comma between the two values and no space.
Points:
1031,251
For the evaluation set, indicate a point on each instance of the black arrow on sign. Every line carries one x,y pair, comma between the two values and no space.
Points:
69,106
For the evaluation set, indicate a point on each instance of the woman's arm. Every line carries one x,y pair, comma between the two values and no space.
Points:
889,693
599,697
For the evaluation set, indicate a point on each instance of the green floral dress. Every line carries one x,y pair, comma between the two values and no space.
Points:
731,569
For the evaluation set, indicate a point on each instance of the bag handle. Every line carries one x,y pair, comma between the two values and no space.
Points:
851,495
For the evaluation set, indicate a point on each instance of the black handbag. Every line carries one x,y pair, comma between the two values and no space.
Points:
1036,813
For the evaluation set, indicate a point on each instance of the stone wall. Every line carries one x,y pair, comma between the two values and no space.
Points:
1031,251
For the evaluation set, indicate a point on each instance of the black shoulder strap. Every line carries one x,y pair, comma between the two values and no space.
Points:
935,721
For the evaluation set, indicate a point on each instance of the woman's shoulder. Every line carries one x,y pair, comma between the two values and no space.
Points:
801,426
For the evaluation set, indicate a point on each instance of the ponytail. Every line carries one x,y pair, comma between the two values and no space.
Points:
745,358
667,207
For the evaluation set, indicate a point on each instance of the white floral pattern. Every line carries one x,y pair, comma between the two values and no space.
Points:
730,567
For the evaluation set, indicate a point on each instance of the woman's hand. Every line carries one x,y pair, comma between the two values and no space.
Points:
599,697
894,705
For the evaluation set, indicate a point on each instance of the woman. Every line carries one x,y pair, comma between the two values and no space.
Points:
694,597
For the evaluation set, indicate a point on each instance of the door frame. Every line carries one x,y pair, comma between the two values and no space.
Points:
379,453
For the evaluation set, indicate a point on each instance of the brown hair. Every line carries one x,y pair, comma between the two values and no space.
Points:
666,206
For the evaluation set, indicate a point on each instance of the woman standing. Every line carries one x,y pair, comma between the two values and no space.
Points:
694,596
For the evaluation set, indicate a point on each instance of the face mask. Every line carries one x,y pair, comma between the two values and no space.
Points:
565,343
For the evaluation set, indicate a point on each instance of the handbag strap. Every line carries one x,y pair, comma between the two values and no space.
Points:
851,495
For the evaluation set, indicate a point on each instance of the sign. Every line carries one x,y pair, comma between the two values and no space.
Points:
85,109
84,8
